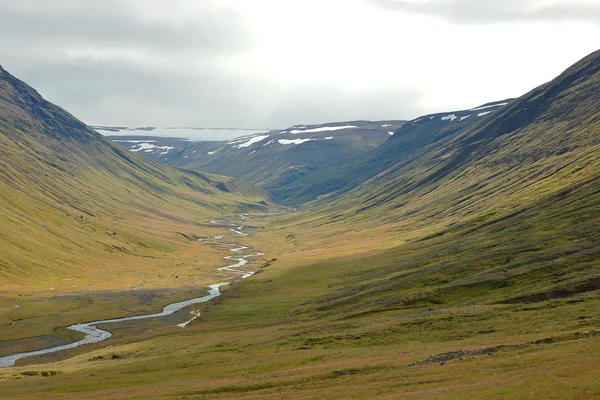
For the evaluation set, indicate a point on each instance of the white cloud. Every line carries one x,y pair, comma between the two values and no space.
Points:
273,64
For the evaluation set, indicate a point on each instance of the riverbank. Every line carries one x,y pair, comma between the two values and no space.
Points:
93,334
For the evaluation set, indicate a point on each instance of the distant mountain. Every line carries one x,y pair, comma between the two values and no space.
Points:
406,144
447,168
191,133
269,159
68,195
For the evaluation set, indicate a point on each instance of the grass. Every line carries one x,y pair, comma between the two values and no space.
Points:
284,332
481,282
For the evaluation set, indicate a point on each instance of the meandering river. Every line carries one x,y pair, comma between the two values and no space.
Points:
93,334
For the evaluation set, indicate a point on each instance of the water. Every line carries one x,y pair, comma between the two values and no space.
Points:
93,334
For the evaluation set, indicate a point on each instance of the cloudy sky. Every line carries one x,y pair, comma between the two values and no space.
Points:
275,63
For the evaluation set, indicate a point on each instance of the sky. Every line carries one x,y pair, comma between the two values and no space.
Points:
276,63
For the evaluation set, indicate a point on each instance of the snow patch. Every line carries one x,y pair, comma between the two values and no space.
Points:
322,129
490,106
210,153
252,140
329,138
189,133
481,114
450,117
148,147
465,117
134,141
238,140
294,141
391,133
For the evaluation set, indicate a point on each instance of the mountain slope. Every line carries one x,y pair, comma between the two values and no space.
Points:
467,268
408,143
269,159
520,153
522,184
70,198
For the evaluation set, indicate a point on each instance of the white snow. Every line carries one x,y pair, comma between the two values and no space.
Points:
282,132
489,106
269,142
190,133
148,147
481,114
210,153
134,141
239,140
252,152
450,117
386,125
391,133
465,117
294,141
323,129
329,138
252,140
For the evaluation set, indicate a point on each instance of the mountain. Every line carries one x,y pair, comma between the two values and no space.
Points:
191,133
408,143
462,262
271,159
71,199
530,140
510,203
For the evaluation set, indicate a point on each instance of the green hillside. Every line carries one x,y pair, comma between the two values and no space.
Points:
459,260
70,197
410,142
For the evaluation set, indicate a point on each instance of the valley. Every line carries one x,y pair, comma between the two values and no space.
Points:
92,334
458,258
269,160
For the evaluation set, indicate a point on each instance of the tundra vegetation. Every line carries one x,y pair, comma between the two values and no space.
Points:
463,263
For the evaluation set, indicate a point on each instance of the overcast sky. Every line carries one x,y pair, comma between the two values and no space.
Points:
276,63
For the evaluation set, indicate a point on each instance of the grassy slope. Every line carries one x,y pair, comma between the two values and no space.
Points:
80,214
486,275
410,143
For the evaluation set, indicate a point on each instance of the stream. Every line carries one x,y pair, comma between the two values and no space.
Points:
93,334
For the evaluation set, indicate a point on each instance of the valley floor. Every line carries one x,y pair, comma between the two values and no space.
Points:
385,323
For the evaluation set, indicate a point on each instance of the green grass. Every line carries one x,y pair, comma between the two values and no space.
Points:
75,205
466,274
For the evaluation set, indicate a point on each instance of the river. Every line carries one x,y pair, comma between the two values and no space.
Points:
93,334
